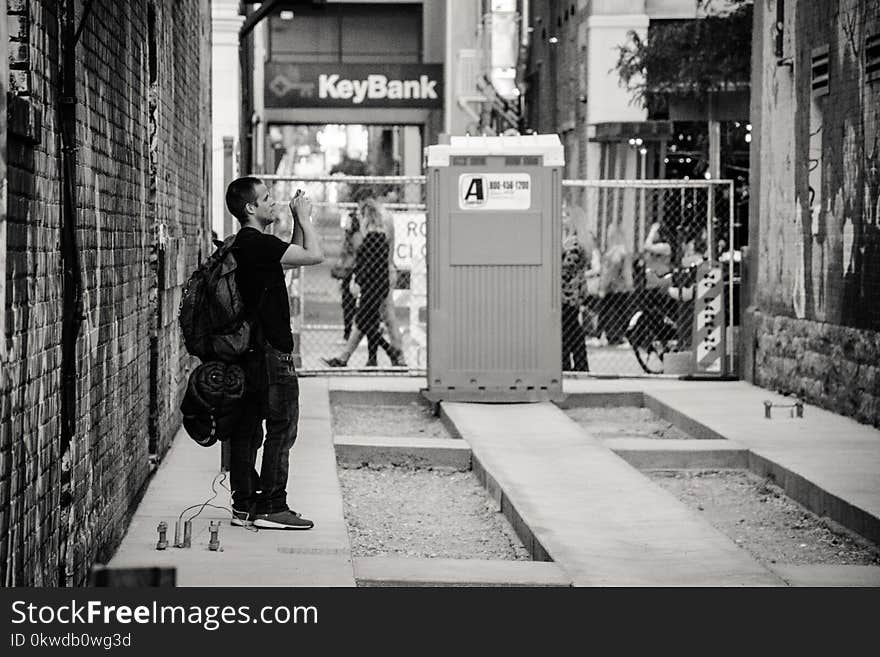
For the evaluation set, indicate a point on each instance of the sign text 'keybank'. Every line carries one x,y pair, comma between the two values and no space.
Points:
354,85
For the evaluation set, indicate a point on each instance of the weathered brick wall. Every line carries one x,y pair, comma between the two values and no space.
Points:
118,229
30,486
5,406
561,77
4,76
182,191
817,284
542,69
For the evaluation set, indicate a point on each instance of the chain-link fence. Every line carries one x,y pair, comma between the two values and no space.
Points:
364,307
629,256
630,253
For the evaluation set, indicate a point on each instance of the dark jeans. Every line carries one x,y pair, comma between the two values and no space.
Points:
614,314
273,394
573,336
349,306
369,321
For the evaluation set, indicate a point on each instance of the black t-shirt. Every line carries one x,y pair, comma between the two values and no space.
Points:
259,270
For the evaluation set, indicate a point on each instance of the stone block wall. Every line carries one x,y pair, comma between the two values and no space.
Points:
832,366
127,214
814,279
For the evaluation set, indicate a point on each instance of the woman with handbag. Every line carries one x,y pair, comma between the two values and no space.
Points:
372,285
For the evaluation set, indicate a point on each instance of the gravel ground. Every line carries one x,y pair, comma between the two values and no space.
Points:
410,420
415,512
761,519
625,422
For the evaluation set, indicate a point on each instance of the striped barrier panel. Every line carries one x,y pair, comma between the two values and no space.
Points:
709,337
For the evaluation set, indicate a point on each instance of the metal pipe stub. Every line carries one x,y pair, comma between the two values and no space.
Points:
187,534
797,408
214,543
162,543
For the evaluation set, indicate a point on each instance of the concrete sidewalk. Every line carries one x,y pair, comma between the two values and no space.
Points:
597,517
318,557
827,462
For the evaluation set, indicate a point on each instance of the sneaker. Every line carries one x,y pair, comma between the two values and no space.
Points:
241,518
286,519
371,362
334,362
396,357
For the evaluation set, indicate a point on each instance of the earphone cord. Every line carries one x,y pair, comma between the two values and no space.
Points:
222,477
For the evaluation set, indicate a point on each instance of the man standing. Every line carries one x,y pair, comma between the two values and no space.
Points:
272,386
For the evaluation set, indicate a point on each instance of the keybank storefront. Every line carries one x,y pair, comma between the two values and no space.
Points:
354,85
380,93
371,64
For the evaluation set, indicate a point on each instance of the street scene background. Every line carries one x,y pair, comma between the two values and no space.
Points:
716,215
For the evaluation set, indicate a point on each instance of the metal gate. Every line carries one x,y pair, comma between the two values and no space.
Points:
630,249
631,253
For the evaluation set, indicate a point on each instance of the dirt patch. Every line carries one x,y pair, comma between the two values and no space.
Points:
413,419
421,512
625,422
761,519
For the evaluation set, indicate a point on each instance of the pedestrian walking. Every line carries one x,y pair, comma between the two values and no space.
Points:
272,387
615,285
371,286
372,309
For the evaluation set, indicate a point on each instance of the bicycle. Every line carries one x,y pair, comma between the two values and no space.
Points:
662,325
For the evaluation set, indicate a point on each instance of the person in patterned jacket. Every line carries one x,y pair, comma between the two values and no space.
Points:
574,284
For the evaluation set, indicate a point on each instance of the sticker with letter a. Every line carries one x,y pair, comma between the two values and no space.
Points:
472,191
494,191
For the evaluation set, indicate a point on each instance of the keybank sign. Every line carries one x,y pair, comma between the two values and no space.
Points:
376,86
354,85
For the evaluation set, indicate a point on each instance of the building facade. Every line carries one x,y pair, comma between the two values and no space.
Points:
573,89
812,327
108,212
225,108
467,49
376,64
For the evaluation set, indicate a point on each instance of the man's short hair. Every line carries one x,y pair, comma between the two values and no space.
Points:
239,193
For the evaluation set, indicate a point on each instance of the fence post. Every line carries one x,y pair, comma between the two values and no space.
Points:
710,223
732,342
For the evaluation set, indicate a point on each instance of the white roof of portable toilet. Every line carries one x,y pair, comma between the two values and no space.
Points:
547,146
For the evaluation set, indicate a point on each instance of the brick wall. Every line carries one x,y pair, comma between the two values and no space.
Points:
541,70
557,77
181,197
4,76
125,233
815,309
5,406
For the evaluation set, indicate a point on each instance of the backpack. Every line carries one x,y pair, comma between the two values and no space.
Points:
212,314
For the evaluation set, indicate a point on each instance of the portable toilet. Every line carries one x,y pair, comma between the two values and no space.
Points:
494,259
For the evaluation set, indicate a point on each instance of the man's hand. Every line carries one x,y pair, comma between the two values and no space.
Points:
354,288
300,206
